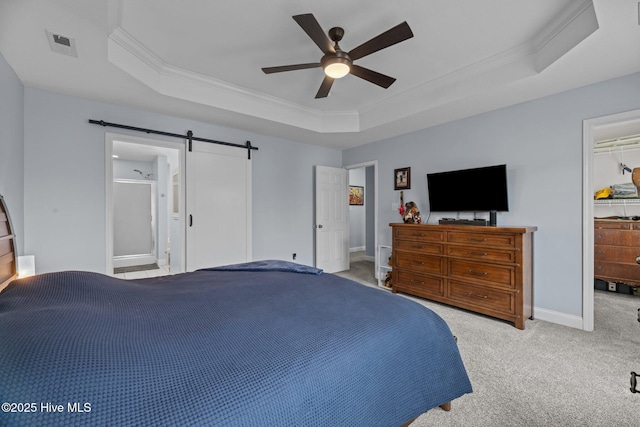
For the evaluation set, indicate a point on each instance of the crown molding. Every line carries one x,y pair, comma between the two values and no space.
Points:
126,53
558,37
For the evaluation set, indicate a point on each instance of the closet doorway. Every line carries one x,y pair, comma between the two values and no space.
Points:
598,129
363,223
144,199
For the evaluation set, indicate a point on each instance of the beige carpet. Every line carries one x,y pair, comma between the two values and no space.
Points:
546,375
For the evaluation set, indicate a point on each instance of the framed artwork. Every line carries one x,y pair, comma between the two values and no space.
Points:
356,195
402,179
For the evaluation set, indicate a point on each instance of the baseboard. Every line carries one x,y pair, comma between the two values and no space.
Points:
557,317
131,260
358,249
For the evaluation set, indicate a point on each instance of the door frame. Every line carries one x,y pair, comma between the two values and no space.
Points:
109,138
589,129
373,163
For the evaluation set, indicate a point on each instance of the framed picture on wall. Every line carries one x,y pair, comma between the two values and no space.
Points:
356,195
402,179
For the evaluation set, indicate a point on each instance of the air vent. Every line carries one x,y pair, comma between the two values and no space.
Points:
62,44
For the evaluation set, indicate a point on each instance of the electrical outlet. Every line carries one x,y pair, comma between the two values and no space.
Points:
612,286
294,256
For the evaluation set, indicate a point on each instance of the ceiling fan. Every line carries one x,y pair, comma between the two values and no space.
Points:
337,63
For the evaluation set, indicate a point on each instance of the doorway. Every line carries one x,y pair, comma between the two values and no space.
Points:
363,223
150,174
612,126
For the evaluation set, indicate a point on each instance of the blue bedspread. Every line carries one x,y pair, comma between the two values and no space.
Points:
221,348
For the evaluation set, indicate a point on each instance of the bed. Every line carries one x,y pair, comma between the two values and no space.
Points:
267,343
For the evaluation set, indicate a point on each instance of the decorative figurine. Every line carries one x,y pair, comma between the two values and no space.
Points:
411,214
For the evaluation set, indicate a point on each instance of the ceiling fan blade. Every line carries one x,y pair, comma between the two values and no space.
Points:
311,26
397,34
280,69
372,76
325,87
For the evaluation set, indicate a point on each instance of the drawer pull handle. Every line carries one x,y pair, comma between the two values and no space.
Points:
600,253
477,239
417,281
638,259
417,247
418,235
478,273
477,253
598,267
471,294
418,262
598,236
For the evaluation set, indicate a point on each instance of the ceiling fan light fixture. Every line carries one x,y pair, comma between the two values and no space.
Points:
336,66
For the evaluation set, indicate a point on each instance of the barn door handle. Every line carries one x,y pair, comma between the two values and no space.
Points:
190,220
634,383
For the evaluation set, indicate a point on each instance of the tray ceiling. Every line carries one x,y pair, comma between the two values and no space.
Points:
202,60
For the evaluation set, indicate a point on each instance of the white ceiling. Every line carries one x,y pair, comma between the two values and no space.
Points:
202,59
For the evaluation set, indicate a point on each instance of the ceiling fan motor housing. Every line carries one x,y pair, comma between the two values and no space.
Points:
338,57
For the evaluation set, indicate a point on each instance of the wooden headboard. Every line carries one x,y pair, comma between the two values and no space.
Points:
8,257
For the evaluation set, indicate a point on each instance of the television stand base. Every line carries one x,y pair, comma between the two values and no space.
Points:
453,221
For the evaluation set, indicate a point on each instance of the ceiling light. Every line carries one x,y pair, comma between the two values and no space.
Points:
336,66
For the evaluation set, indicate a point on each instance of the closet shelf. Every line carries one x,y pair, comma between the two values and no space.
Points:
616,202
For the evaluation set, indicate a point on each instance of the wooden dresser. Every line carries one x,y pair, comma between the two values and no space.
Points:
617,251
487,270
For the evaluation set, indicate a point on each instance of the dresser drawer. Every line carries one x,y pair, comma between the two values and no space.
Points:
497,274
626,273
422,247
421,284
612,225
618,254
487,298
416,233
603,236
482,239
483,254
425,263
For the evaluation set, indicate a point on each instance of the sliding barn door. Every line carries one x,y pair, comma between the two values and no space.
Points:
218,196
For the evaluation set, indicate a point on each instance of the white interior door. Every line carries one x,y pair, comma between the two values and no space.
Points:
332,226
218,195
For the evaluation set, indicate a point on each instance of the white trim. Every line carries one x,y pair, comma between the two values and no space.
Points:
131,260
563,319
357,249
589,128
373,163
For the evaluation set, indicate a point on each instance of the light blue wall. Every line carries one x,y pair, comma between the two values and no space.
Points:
541,143
64,182
11,149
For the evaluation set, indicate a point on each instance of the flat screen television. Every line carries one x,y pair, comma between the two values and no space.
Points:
469,190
